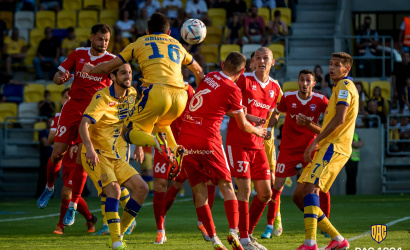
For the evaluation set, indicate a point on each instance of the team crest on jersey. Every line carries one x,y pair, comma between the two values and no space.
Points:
379,232
254,87
81,60
312,107
271,93
104,177
131,99
294,105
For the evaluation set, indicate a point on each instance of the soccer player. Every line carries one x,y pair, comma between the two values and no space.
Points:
246,152
216,95
83,88
99,129
69,161
334,146
160,57
295,137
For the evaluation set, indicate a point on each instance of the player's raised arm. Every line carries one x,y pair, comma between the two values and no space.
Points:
91,155
272,122
197,70
62,77
103,68
303,120
247,126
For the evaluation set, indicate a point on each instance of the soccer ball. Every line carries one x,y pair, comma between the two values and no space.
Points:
193,31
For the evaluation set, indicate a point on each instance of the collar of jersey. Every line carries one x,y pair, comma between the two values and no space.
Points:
157,33
93,58
349,78
222,74
263,85
303,101
112,91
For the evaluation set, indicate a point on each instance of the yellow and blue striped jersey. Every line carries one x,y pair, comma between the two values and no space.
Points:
160,57
108,114
344,93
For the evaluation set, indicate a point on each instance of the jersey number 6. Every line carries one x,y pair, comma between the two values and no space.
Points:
198,100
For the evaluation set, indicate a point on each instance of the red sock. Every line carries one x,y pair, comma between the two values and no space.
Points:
211,195
159,209
52,171
79,179
63,210
255,213
273,206
325,203
205,216
82,208
243,218
232,213
170,197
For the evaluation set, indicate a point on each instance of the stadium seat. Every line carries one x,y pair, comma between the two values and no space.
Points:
184,3
265,13
290,86
87,18
385,87
28,113
13,93
218,16
33,92
66,18
213,35
278,51
226,49
111,4
248,49
55,91
45,18
109,17
248,4
24,20
82,34
286,15
30,55
38,126
210,52
7,109
36,35
72,4
93,4
7,17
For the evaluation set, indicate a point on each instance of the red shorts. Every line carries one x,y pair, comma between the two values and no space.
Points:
69,165
286,164
161,166
248,163
182,176
70,119
205,160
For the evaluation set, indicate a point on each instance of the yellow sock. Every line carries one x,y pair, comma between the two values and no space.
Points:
131,210
103,198
311,211
278,207
113,219
125,196
324,224
170,137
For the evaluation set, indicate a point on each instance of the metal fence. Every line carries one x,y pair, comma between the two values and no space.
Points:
398,135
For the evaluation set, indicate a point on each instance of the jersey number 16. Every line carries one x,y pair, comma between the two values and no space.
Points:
172,48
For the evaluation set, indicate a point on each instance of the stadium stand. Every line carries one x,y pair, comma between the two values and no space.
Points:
93,4
385,86
218,16
286,15
36,35
87,18
210,52
45,18
55,91
7,17
213,35
66,18
109,17
7,110
24,20
111,4
248,49
290,86
226,49
265,13
33,92
72,4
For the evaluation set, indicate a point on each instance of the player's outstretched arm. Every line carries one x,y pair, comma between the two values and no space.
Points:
273,119
303,120
198,72
246,126
91,155
61,78
103,68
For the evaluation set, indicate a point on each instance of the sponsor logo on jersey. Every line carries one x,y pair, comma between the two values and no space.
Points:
87,76
258,104
294,105
200,152
111,104
312,107
195,120
343,94
271,93
325,162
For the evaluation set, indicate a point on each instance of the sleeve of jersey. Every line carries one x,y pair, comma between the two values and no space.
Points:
343,96
188,59
277,101
241,83
54,123
69,62
324,103
282,105
96,108
129,52
236,104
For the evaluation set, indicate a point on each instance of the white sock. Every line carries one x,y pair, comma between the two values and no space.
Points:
338,238
50,188
215,240
116,244
245,241
250,236
199,223
233,230
72,204
270,226
310,243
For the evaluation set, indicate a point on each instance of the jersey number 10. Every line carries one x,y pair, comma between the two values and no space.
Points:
172,48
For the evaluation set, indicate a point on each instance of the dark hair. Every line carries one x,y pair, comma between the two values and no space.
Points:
347,59
70,29
254,5
115,71
253,54
47,28
307,71
64,91
46,92
158,22
276,13
234,62
122,14
103,28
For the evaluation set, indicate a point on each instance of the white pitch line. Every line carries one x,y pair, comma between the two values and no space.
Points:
391,223
58,214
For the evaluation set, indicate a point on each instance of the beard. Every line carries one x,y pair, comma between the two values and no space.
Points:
98,49
123,85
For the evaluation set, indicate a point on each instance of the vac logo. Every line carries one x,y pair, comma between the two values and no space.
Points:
379,232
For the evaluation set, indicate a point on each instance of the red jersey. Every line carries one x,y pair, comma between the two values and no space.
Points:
54,123
67,161
215,96
85,85
176,124
259,99
296,138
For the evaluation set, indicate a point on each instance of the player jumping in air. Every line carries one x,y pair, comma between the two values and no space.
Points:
205,160
334,146
295,138
100,129
160,57
246,152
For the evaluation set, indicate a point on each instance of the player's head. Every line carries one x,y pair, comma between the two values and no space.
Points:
340,65
100,37
306,81
158,23
263,59
64,96
234,65
122,76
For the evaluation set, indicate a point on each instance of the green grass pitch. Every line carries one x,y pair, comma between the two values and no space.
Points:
352,216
